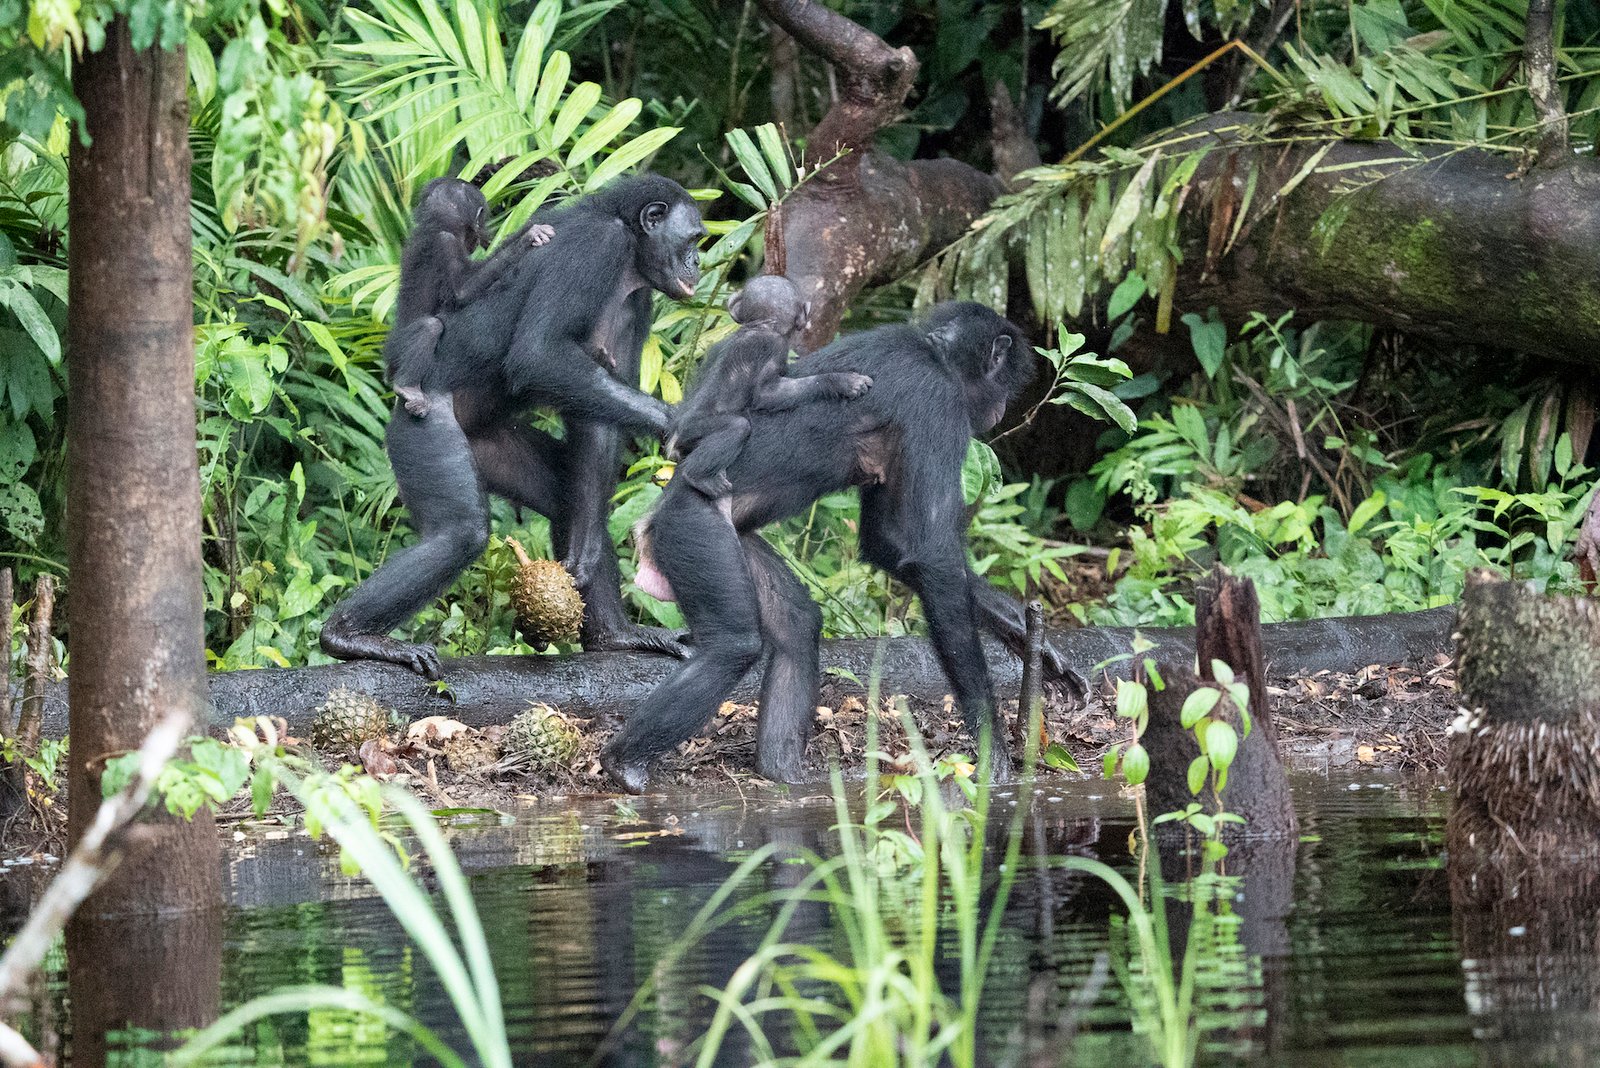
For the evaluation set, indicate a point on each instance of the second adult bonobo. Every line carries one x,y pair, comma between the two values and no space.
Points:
438,274
745,373
935,384
528,342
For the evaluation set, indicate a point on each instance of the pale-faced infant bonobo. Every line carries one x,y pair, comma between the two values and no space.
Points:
437,275
745,374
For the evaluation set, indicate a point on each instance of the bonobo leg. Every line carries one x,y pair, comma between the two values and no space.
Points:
706,466
582,538
791,626
699,552
915,543
434,471
409,356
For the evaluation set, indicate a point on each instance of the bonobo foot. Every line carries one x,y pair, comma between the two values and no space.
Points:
631,778
713,487
343,644
853,384
633,638
540,233
416,401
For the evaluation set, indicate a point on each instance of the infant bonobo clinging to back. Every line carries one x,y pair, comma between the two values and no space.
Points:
438,274
746,373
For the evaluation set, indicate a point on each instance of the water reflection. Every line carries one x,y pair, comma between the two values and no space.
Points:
1351,947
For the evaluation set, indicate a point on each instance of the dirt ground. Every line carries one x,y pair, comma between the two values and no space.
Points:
1389,717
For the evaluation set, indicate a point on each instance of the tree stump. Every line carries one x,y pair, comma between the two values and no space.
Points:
1524,852
1525,764
1228,628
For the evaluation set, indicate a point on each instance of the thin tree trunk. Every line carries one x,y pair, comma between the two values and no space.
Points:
1539,55
135,607
7,603
38,677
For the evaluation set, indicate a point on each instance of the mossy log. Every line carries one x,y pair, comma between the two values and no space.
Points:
480,690
1525,763
1228,618
1457,245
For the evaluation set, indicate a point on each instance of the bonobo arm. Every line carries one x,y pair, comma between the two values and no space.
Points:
784,392
476,276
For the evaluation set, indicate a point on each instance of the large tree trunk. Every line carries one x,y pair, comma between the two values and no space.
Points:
1460,246
135,608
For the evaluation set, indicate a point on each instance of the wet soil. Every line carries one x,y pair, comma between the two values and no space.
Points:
1390,717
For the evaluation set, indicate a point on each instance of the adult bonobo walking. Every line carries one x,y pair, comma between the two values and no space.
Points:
935,383
529,340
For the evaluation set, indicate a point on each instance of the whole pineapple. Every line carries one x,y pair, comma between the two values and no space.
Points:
546,601
543,737
348,718
470,753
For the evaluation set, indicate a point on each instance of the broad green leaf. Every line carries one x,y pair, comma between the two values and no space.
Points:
777,157
1126,295
755,168
1198,705
525,65
629,155
601,133
1199,767
1366,510
580,101
1135,764
551,86
1222,744
1128,205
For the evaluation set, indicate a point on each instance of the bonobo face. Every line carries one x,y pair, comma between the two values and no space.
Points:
989,352
457,207
771,302
669,247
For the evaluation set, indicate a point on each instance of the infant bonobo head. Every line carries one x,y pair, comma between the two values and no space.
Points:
770,302
458,207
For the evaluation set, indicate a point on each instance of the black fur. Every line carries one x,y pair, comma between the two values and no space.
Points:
744,373
528,340
903,443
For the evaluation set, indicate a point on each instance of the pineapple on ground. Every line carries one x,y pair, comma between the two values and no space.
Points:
546,601
470,753
543,737
348,718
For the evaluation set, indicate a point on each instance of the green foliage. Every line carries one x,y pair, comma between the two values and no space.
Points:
345,806
878,999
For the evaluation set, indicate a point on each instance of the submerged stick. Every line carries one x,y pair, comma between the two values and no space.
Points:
1030,700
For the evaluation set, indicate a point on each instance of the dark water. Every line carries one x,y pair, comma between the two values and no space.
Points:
1347,950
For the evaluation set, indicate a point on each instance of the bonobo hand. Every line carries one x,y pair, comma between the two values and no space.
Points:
415,400
540,233
1057,669
854,384
631,778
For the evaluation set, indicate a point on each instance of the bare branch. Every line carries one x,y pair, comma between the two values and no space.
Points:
873,78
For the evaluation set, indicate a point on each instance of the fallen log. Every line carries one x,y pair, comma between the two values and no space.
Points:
481,690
